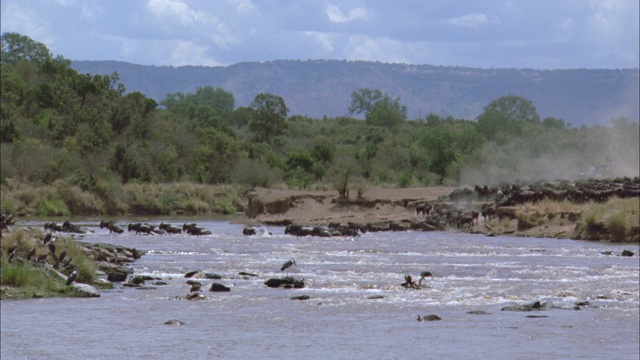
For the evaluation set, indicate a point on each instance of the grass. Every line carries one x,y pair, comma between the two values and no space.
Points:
29,279
109,197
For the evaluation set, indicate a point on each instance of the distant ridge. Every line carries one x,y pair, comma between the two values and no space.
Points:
316,88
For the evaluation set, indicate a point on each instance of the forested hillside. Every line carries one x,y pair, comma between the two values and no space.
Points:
317,88
93,132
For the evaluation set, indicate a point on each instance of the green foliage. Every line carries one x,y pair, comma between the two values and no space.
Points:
208,106
124,165
56,124
379,109
269,117
514,108
16,47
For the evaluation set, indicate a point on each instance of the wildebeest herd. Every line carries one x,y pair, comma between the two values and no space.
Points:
499,200
138,228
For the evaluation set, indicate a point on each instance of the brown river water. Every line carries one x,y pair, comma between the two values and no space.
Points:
357,308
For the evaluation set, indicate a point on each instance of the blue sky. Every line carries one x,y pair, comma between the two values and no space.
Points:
539,34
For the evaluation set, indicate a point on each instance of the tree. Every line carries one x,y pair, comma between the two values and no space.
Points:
269,118
387,113
209,106
515,108
364,101
379,109
505,116
19,47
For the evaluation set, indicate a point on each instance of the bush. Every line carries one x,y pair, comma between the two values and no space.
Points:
616,224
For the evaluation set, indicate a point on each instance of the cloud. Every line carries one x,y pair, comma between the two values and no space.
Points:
469,20
176,9
360,47
189,53
243,6
336,16
322,39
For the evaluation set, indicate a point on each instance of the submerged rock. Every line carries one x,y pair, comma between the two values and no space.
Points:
286,282
216,287
536,305
431,317
84,290
174,322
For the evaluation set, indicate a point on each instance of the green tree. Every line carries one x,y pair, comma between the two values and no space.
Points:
209,106
514,108
269,118
364,101
388,113
19,47
379,109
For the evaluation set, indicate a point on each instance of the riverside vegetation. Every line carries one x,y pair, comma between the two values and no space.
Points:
78,144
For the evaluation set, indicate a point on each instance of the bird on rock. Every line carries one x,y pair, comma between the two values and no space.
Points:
72,277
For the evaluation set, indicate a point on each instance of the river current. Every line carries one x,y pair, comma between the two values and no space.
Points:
357,308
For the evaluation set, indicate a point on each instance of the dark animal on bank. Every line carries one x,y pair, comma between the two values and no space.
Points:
423,209
113,228
465,220
489,211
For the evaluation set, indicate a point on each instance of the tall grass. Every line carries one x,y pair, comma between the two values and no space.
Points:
109,197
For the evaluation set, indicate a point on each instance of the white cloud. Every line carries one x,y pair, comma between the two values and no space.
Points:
337,16
469,20
26,21
188,53
223,35
176,8
360,47
322,39
243,6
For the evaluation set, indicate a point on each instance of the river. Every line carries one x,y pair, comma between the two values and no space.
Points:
357,308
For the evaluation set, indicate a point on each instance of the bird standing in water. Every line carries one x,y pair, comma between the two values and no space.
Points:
288,264
424,275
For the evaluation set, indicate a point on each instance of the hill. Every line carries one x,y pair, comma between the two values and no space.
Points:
317,88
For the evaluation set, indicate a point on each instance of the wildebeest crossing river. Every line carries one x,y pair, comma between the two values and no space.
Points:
356,309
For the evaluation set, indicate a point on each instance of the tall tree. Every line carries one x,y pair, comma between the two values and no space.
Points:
379,109
515,108
19,47
269,118
364,101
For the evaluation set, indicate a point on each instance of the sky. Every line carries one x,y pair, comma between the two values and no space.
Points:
537,34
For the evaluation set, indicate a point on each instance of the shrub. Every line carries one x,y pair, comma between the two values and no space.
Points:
616,224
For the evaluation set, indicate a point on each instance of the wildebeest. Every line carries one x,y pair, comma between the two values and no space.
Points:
113,228
53,227
465,220
423,209
72,228
489,211
140,228
193,229
170,228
